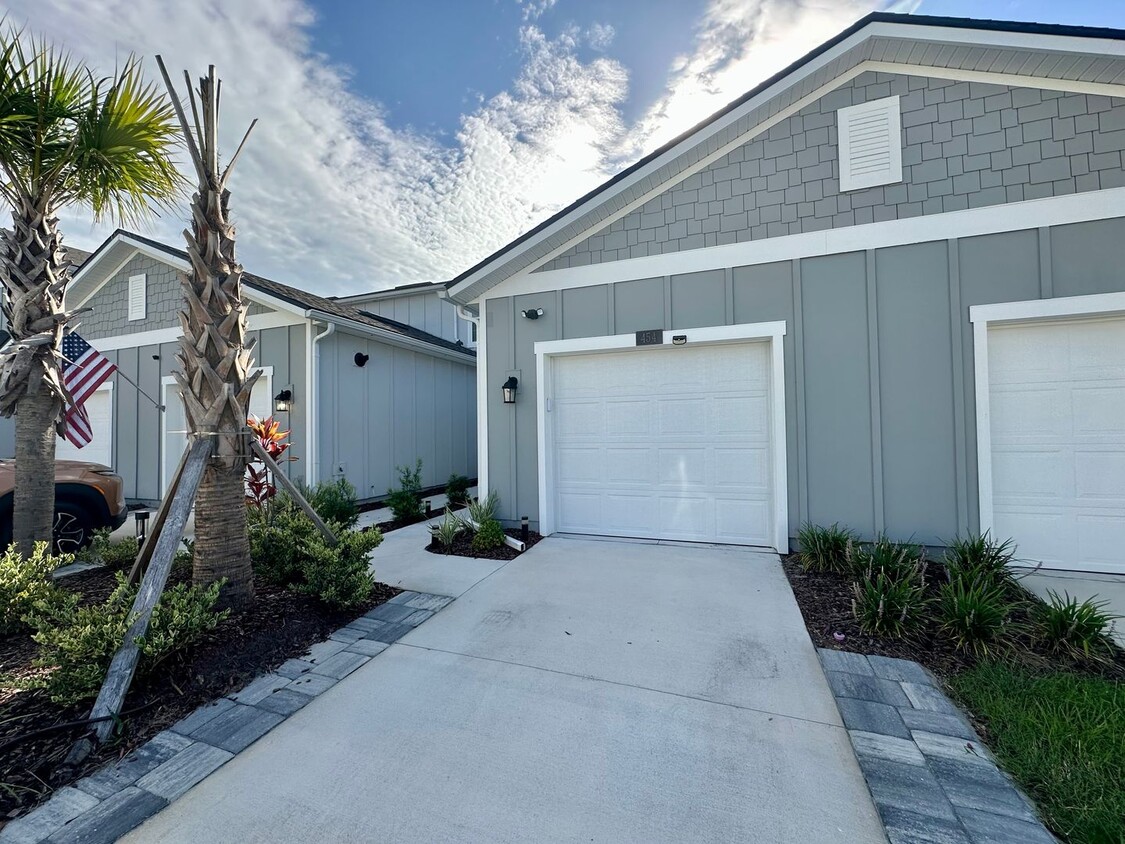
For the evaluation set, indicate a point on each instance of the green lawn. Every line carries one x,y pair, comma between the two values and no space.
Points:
1062,736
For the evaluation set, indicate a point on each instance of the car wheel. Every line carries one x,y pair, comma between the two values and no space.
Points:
72,529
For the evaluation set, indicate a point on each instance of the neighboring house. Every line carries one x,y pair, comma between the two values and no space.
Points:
367,393
422,305
886,288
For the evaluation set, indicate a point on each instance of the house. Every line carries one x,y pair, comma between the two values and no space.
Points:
365,393
884,288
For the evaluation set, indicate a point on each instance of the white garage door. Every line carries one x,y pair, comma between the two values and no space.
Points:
99,407
1057,404
670,443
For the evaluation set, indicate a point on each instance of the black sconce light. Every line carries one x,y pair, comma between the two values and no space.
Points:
361,359
283,401
141,519
509,389
532,313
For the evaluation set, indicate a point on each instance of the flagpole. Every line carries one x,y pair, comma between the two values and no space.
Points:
155,404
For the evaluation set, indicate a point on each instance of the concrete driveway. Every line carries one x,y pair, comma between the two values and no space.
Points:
588,691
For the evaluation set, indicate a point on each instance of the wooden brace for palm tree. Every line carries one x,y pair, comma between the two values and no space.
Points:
218,370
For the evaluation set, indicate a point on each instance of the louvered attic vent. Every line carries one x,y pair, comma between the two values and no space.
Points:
138,297
870,142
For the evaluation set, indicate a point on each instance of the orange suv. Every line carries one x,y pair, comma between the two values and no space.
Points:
88,496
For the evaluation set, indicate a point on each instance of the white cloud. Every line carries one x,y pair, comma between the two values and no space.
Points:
534,9
330,197
600,36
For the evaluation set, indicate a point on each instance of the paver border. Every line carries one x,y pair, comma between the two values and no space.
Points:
119,797
932,779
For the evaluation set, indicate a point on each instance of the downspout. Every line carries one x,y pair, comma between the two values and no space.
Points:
482,399
312,378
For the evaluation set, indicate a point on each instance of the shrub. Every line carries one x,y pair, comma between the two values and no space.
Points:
406,501
973,613
277,535
824,549
980,558
77,643
489,535
334,501
338,575
483,509
895,561
457,489
103,551
26,583
447,531
1078,629
886,606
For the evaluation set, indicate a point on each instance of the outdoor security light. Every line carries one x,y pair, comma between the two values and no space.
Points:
283,401
361,359
532,313
510,389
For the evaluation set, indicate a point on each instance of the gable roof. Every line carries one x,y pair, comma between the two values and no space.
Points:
1093,57
310,304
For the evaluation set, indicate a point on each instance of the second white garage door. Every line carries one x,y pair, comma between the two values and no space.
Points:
670,443
1057,407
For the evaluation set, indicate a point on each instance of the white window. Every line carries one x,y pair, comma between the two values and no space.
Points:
870,142
138,296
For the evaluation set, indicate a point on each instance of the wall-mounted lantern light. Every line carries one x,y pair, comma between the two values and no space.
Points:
509,388
532,313
283,401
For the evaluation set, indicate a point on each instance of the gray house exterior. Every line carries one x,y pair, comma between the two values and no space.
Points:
885,289
413,397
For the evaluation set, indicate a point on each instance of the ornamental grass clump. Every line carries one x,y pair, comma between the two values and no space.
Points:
824,549
447,531
973,613
1077,629
981,558
889,595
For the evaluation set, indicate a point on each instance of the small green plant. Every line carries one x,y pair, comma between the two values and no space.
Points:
896,561
77,643
887,606
457,489
1078,629
334,501
489,535
406,501
980,558
824,549
447,531
26,583
339,575
103,551
973,613
483,509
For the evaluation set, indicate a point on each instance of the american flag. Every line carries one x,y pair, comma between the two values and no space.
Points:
84,369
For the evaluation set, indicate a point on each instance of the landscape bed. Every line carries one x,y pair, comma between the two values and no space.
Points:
279,625
463,546
1056,724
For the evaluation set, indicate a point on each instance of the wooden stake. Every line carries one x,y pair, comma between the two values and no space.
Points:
145,554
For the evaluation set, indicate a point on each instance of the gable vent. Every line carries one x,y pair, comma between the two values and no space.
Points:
870,143
138,296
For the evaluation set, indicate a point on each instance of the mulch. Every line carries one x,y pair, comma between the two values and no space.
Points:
279,625
825,600
463,546
395,524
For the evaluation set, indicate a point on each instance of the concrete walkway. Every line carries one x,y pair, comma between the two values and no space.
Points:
593,691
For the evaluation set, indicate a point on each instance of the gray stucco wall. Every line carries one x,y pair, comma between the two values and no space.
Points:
400,406
110,315
965,145
879,392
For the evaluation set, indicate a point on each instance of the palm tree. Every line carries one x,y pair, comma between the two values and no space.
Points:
218,368
66,138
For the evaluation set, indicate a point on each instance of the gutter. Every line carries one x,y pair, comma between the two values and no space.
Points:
391,337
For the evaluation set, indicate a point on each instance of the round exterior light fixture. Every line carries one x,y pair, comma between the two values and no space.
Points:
361,359
509,387
283,401
532,313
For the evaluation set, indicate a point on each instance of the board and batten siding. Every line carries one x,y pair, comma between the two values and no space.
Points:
964,145
400,406
425,311
879,392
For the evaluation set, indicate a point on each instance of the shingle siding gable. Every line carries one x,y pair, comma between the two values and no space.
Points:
965,145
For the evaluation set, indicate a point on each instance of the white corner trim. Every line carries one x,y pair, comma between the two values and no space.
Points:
983,317
546,351
993,219
482,407
1035,309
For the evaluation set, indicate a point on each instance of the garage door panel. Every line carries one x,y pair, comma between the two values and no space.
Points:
686,449
99,410
1057,401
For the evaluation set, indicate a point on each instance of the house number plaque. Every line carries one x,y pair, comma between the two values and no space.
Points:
651,337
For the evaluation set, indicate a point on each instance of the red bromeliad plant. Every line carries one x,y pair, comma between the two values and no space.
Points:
259,484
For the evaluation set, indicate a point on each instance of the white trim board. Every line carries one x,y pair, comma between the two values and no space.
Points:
157,336
982,318
547,351
993,219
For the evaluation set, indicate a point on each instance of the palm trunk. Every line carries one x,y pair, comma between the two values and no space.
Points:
216,379
35,272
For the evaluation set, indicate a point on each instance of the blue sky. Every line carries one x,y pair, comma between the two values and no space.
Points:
403,140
